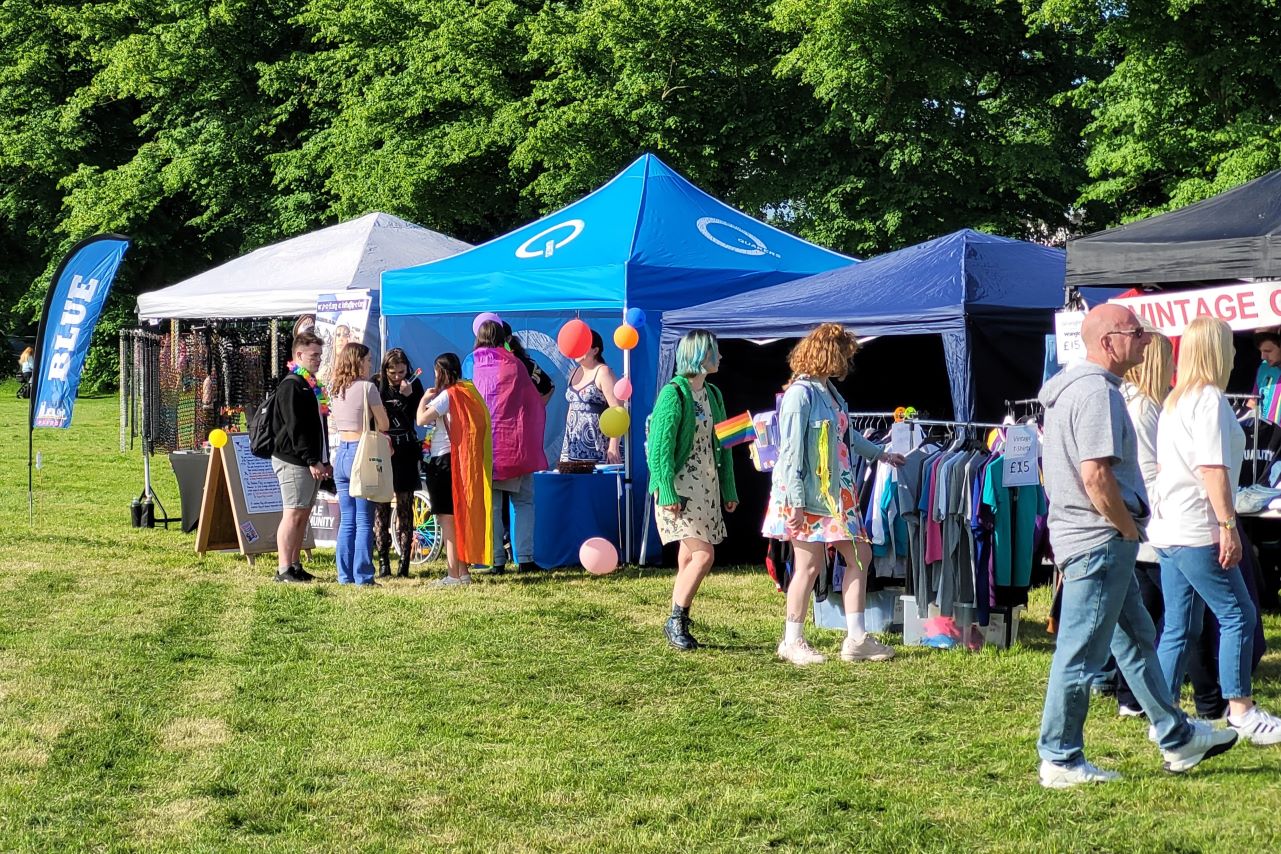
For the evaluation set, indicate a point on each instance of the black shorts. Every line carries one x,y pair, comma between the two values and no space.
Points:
440,485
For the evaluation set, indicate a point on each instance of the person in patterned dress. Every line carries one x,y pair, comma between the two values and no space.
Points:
812,500
589,393
691,475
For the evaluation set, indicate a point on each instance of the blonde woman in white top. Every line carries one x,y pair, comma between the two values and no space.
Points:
1200,447
1145,389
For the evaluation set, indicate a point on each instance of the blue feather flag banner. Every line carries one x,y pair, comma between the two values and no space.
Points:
71,310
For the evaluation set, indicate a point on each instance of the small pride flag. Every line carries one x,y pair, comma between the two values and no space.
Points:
735,431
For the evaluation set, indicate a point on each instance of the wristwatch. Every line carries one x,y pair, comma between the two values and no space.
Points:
1228,524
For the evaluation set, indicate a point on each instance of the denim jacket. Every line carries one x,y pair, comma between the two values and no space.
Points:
808,471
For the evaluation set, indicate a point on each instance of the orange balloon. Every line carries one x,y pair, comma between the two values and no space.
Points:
626,337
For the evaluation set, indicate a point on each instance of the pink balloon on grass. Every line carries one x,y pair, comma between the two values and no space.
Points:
598,556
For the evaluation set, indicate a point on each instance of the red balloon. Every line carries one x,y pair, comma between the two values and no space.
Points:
575,339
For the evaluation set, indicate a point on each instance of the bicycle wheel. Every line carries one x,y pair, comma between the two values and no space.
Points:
427,543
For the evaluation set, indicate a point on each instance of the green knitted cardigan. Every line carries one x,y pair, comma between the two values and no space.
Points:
671,440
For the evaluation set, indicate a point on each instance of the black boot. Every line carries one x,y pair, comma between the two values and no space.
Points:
384,565
676,629
403,571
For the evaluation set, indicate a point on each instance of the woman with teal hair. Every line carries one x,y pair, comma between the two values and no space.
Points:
692,477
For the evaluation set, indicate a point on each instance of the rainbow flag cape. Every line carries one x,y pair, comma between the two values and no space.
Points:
735,431
471,443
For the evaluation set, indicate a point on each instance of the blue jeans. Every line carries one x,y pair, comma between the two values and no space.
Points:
1189,571
356,525
1102,610
521,490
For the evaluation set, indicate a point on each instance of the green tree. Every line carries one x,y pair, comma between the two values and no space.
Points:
156,129
405,106
939,115
1189,106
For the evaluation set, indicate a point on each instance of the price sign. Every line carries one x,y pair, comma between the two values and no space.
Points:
901,438
1021,452
1067,336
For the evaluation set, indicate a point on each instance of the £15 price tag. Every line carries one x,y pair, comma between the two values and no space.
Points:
1021,452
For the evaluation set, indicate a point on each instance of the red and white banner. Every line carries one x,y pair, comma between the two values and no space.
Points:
1254,305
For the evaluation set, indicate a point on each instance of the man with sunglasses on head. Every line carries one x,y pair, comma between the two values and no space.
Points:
1098,512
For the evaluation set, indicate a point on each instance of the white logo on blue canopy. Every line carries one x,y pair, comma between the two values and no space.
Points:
741,241
551,239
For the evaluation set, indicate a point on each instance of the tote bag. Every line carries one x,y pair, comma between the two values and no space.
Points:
371,470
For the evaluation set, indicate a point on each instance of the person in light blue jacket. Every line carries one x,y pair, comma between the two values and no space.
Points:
813,501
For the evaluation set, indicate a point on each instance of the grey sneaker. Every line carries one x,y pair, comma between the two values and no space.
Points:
1055,776
800,653
1206,741
868,649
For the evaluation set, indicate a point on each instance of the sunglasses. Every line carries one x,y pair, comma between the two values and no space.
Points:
1132,333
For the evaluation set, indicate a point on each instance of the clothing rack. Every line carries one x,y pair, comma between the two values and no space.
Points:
1254,463
927,422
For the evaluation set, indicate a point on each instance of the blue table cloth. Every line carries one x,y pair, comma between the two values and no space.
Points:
571,508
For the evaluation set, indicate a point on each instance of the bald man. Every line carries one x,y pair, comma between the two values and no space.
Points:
1098,510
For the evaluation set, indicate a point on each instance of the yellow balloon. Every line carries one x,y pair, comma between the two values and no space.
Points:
615,421
218,437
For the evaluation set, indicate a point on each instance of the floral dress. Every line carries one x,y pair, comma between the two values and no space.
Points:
821,529
698,486
584,440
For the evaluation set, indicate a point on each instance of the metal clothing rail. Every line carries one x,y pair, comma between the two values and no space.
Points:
927,422
1254,463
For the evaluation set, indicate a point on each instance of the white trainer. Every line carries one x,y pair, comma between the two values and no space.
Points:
868,649
450,581
1054,776
1206,741
1257,727
800,653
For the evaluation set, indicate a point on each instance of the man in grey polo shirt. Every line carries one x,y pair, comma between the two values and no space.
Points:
1098,510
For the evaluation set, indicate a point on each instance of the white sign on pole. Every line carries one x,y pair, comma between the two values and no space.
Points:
1067,336
1022,449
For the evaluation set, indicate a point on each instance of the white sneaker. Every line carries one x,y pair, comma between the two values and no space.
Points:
1206,741
868,649
799,653
450,581
1054,776
1129,712
1257,727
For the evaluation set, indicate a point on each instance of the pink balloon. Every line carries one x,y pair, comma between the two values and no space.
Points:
481,318
623,389
598,556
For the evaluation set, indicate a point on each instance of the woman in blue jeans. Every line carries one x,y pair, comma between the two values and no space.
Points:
1200,447
355,405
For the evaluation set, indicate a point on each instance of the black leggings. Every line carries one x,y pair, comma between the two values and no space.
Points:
404,524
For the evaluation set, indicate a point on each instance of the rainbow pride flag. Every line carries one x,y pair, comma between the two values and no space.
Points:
735,431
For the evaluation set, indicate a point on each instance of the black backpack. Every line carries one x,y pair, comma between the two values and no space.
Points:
262,437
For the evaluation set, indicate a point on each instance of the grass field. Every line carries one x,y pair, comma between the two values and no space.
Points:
151,700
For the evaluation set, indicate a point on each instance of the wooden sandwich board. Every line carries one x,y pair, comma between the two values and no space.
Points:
241,505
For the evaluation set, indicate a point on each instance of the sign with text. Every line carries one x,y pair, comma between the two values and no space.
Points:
1022,449
1067,336
257,478
72,305
1252,305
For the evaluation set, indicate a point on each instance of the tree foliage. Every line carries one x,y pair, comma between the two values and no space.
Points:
206,129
